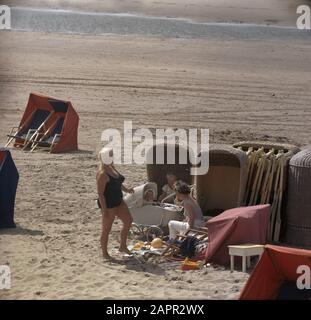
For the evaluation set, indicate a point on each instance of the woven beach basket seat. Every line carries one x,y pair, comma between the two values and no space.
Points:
222,187
298,206
157,172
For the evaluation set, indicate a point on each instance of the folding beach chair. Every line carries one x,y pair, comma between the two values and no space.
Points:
50,137
39,124
33,124
266,178
42,134
173,249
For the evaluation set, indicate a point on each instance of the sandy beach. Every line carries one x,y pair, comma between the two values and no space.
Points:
267,12
256,90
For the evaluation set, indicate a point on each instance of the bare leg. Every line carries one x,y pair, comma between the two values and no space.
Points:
126,218
107,221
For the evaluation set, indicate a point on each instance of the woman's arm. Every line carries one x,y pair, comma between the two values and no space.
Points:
164,193
190,218
162,196
127,190
101,186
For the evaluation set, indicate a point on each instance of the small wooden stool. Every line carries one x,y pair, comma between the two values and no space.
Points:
245,251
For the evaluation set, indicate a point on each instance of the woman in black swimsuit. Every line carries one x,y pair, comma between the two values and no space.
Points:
110,187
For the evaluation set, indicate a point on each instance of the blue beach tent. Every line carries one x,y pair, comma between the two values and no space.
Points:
8,186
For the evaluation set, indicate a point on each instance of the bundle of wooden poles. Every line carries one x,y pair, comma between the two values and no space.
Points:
266,178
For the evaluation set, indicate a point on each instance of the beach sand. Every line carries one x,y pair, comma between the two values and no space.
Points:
270,12
238,89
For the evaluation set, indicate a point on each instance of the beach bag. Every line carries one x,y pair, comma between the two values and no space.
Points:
188,246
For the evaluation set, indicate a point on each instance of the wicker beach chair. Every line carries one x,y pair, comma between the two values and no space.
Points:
222,187
298,206
157,172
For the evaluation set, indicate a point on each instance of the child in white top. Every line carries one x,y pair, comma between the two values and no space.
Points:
168,188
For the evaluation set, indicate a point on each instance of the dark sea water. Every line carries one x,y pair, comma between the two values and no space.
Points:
59,21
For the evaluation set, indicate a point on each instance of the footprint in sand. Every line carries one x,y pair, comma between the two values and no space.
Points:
68,278
66,232
46,284
33,260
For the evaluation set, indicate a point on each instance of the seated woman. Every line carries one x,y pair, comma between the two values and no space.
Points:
192,211
168,188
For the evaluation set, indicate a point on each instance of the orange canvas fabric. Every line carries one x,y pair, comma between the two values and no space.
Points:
276,265
69,135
